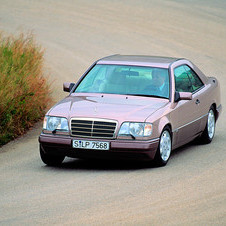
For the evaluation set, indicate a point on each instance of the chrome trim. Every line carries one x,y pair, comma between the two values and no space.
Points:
155,139
176,130
128,138
200,88
58,132
95,120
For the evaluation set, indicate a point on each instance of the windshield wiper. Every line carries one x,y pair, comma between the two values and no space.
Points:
146,95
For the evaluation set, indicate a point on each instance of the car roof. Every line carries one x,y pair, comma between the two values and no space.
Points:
138,60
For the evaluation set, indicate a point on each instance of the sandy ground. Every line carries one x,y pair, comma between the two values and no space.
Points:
190,190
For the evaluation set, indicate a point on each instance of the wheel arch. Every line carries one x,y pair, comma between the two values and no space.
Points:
169,126
215,111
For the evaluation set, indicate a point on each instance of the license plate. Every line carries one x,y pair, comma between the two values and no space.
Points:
87,144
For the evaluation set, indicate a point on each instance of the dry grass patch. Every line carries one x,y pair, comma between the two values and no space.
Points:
24,92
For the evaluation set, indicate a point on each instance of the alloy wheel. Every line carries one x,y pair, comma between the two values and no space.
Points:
165,145
211,124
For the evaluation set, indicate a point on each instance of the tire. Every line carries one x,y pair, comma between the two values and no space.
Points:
208,133
51,160
164,149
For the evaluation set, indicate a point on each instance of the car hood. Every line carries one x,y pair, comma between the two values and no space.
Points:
108,106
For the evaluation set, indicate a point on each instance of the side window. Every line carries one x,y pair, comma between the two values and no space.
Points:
195,80
182,81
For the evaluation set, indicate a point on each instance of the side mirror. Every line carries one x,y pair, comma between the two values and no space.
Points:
182,96
67,86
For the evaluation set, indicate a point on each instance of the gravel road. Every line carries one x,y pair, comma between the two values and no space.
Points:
190,190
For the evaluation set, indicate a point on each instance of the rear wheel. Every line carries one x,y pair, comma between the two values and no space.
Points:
208,133
51,160
165,147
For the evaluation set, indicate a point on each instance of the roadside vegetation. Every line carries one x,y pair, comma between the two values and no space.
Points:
24,92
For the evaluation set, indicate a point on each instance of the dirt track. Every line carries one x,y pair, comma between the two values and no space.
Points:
190,190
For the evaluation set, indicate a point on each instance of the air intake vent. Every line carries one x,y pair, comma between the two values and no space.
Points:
96,128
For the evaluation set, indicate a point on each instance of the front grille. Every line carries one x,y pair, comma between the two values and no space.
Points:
96,128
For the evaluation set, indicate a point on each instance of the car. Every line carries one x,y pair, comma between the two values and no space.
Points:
132,107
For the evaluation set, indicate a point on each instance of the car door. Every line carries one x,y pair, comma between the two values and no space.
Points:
199,94
186,114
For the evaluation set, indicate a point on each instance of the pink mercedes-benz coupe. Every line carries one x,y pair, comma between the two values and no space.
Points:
132,107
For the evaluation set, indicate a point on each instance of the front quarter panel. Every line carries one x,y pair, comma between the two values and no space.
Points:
160,119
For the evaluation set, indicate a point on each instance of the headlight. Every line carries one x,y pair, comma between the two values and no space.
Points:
52,123
136,129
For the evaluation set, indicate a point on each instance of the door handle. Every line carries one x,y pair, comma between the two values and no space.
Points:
197,101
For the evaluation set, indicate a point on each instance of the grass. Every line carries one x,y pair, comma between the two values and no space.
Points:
24,92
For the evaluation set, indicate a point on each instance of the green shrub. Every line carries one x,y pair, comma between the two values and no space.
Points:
24,92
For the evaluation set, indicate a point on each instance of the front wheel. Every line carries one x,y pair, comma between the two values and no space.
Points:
208,133
51,160
164,149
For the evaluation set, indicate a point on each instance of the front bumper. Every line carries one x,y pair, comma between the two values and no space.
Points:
119,149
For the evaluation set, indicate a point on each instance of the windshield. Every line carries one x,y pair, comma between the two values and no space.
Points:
127,80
